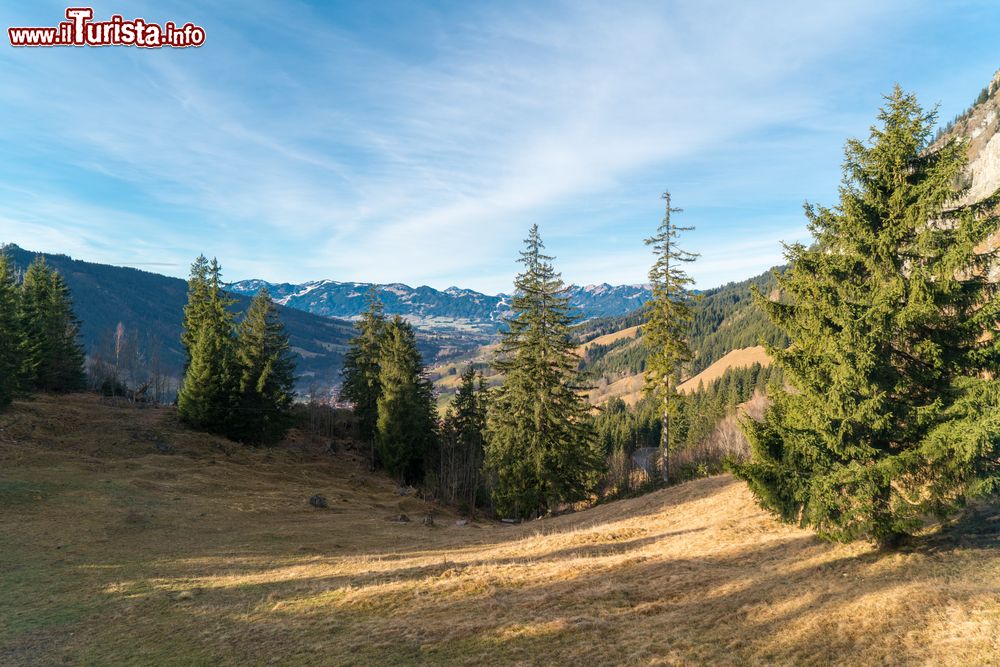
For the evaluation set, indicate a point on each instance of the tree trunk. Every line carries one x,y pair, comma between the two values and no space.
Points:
665,433
665,441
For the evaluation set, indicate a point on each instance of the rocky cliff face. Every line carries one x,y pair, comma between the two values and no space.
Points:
980,126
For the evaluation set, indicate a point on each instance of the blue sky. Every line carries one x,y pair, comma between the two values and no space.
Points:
411,142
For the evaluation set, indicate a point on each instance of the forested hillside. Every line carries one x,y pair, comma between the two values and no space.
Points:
725,319
152,305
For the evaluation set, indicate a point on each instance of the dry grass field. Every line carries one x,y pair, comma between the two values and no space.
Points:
629,388
608,339
742,358
115,553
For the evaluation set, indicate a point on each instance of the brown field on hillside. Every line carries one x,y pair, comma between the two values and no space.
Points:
115,553
607,339
628,388
742,358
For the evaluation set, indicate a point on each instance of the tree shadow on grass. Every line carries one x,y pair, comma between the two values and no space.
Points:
785,600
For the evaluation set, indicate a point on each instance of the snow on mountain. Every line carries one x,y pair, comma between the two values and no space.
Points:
432,308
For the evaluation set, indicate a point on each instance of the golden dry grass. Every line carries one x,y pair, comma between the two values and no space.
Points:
608,339
628,388
742,358
116,554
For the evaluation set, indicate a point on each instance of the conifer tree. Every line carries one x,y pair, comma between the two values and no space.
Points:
51,355
541,448
208,394
406,428
361,369
196,307
10,331
462,442
893,329
267,374
66,370
668,317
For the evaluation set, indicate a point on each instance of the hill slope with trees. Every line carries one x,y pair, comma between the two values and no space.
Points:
152,306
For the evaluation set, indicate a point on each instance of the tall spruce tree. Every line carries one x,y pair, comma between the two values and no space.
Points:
360,374
51,355
541,449
208,395
267,374
669,314
893,328
199,295
10,331
406,428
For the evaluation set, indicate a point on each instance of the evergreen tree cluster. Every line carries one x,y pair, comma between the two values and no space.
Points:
406,427
463,443
385,379
238,380
894,347
724,319
622,430
39,348
621,358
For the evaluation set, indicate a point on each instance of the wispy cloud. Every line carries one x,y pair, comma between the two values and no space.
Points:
413,144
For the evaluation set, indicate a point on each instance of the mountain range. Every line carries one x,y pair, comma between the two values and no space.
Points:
152,305
450,323
432,309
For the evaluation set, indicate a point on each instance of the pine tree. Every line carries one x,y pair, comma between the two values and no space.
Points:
406,428
35,347
51,355
208,394
462,442
361,370
669,314
199,296
541,448
10,331
893,328
67,363
267,374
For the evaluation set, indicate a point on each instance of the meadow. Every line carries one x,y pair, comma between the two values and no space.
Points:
127,539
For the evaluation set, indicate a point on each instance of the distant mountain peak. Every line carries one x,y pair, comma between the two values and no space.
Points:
454,307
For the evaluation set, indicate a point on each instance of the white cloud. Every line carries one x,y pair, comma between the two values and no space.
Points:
341,158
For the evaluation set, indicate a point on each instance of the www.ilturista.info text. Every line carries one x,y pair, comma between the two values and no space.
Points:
81,30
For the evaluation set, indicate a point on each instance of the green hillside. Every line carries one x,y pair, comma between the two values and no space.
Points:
725,320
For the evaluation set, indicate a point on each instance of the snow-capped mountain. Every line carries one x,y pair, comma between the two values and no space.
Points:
429,307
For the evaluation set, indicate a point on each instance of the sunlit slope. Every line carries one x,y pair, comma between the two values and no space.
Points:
608,339
742,358
629,388
115,553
